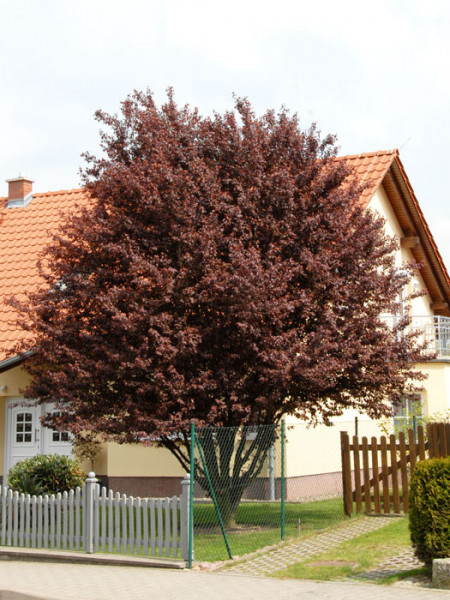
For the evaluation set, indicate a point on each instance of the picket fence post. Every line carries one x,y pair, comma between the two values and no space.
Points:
185,516
88,513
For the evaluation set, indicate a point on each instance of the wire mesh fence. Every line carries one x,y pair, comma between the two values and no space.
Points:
238,490
255,486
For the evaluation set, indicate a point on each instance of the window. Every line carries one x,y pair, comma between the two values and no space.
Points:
23,429
59,437
408,412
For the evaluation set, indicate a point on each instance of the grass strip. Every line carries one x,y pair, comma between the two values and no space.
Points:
258,525
357,556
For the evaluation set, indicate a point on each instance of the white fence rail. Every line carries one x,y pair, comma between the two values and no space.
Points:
94,519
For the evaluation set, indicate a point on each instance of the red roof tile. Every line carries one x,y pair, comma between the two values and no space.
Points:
370,169
24,233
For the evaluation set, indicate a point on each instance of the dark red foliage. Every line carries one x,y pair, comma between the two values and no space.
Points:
223,275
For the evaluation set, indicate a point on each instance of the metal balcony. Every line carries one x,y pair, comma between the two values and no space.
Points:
435,330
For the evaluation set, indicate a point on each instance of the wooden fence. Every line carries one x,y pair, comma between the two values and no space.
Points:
94,519
378,479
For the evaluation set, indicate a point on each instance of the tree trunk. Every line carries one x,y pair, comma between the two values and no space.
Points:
230,460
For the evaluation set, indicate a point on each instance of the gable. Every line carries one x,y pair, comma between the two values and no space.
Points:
385,169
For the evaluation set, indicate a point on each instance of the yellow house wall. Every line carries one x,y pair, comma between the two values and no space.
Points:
311,451
436,386
100,463
380,205
11,384
135,460
315,450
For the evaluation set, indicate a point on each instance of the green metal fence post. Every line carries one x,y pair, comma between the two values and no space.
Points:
282,478
191,498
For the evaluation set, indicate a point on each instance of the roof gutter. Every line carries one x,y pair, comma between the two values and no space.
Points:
14,361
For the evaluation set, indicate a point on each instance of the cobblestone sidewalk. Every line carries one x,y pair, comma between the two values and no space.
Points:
294,551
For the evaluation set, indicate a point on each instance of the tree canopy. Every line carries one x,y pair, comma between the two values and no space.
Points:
225,273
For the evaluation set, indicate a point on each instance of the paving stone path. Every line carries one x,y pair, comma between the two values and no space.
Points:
297,550
402,562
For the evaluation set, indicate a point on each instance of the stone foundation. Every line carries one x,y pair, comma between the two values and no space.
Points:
144,487
313,486
297,488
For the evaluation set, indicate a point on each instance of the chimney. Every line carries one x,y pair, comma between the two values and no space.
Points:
19,191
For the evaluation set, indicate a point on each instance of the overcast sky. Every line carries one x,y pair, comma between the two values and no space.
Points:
376,73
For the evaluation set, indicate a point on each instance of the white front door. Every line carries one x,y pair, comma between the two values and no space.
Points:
24,430
25,436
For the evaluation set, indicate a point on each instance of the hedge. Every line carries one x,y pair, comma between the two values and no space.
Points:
429,514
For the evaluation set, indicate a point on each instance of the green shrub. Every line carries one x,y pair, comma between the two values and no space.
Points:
429,511
85,447
45,474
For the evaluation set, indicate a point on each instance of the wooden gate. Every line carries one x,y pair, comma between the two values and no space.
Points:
378,480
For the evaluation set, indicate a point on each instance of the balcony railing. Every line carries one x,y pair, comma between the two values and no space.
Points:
435,330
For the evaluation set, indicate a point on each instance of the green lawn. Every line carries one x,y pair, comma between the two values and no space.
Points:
356,556
258,524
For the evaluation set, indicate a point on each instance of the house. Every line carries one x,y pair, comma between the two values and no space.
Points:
27,218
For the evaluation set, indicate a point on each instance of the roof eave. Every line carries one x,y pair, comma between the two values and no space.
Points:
14,361
433,270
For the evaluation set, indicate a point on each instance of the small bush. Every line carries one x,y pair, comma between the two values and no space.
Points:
45,474
429,512
85,447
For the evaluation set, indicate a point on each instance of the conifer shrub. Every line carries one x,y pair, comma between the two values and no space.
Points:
429,512
45,474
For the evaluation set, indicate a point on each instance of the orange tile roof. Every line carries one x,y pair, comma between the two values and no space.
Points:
24,233
370,169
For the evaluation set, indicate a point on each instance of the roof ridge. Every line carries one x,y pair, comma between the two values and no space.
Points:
60,192
376,154
74,191
371,167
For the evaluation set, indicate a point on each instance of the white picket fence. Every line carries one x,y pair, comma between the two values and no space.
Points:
93,519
